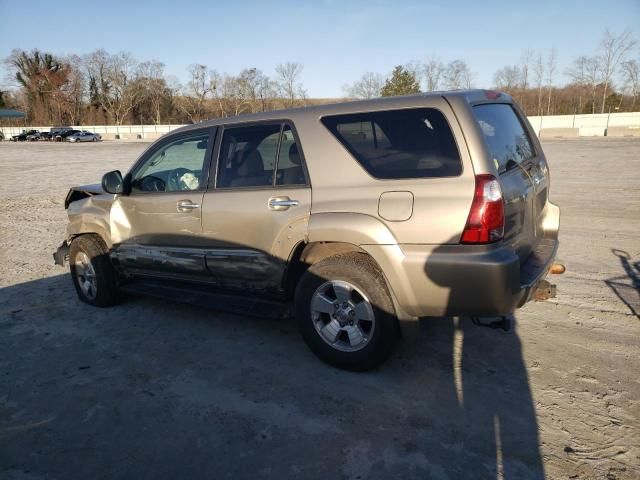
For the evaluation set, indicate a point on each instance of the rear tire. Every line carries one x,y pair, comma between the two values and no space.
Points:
345,313
93,275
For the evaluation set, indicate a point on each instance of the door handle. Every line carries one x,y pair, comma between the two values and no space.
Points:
282,203
186,206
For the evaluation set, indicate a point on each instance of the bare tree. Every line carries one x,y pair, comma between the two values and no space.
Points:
257,88
153,86
96,66
266,91
288,81
111,83
631,75
433,71
369,86
73,92
121,97
551,70
613,50
538,72
585,73
233,93
458,75
525,62
249,80
507,78
196,92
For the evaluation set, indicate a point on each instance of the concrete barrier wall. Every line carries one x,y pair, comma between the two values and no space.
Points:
614,124
587,125
558,132
623,132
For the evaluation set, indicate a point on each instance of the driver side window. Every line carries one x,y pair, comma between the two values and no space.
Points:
177,166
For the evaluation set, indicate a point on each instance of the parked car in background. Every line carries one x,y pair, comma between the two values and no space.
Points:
364,215
21,137
84,136
34,137
51,134
62,135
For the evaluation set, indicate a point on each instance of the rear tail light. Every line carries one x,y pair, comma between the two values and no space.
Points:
486,218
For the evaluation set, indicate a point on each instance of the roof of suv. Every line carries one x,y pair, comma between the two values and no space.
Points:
471,96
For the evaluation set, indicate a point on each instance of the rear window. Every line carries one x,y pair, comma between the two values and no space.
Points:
409,143
505,136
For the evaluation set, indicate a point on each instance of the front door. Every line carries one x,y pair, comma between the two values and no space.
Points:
257,207
156,228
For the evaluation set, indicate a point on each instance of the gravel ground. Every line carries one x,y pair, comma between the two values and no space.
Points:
153,389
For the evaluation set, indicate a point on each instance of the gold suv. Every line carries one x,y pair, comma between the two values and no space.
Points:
363,215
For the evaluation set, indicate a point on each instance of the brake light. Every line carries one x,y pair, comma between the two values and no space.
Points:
486,218
491,95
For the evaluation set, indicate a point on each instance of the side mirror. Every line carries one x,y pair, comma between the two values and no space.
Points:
112,182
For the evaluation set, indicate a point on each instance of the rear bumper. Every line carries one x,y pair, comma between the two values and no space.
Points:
536,268
460,279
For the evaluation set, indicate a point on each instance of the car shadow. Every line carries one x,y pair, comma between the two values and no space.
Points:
627,287
494,406
156,389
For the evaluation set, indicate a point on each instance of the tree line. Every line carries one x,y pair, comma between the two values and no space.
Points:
106,88
608,80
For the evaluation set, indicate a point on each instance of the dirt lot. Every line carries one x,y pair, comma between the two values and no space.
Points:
153,389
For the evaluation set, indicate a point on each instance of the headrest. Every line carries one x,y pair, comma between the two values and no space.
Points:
251,165
294,155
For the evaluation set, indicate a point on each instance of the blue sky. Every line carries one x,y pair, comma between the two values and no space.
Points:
337,41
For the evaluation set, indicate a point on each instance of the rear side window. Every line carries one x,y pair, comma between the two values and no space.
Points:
408,143
248,156
290,171
259,156
505,136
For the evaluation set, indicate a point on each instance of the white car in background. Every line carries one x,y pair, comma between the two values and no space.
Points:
84,136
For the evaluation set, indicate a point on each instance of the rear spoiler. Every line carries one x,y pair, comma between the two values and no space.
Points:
83,191
475,97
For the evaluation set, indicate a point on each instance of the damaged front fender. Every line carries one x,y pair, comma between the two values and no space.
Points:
90,215
88,208
61,255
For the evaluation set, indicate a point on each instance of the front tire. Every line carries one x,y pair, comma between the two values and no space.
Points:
345,313
93,275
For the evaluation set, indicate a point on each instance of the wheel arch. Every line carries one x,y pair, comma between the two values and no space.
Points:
306,254
80,228
343,232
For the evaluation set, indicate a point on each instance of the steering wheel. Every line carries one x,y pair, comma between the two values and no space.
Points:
173,180
150,184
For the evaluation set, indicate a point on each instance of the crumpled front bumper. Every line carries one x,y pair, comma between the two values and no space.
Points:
61,255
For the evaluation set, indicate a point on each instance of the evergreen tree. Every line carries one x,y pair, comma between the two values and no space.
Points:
401,82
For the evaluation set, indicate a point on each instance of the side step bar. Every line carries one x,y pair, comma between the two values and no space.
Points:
209,299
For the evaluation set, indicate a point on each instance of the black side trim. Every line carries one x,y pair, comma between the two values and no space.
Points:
191,294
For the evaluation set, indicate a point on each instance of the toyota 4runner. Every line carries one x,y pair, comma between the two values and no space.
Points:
364,215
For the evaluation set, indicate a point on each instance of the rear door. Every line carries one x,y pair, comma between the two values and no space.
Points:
522,173
257,207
